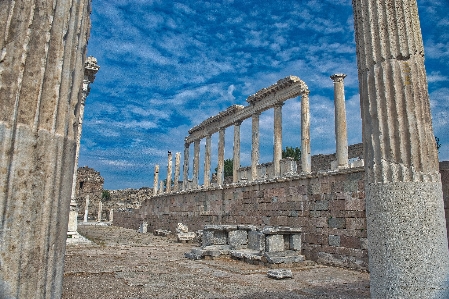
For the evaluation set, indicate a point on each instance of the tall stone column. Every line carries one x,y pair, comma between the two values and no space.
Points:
255,146
161,187
185,175
196,163
341,134
155,179
100,211
305,133
42,69
86,209
236,152
169,171
207,162
408,249
221,150
177,166
277,148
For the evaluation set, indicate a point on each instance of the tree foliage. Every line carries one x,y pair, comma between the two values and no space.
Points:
228,167
291,152
438,144
105,195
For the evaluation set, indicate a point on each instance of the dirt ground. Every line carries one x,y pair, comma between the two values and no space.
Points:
122,263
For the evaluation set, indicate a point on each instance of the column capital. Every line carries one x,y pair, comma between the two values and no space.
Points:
238,123
338,77
279,104
305,93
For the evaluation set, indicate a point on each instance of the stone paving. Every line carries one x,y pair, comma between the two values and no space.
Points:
122,263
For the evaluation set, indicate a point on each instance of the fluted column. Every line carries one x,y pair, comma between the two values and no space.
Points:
155,179
177,166
43,50
305,133
169,172
185,176
277,147
207,162
196,162
341,134
408,249
255,146
236,152
221,150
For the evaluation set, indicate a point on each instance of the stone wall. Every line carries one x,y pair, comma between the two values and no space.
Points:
88,182
444,171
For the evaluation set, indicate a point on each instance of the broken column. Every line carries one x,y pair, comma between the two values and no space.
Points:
277,148
255,146
43,50
177,165
408,249
169,171
196,163
341,134
306,157
86,209
236,152
155,179
221,149
207,162
185,175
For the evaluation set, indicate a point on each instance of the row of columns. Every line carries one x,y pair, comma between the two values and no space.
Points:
341,145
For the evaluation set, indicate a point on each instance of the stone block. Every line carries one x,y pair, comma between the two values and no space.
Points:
279,273
256,240
238,239
355,204
350,242
214,237
356,223
295,242
334,240
321,205
274,243
337,222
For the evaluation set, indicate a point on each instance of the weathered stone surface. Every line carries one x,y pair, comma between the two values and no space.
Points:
283,257
214,237
189,236
279,273
274,243
340,121
295,242
43,50
337,222
334,240
256,240
238,239
182,228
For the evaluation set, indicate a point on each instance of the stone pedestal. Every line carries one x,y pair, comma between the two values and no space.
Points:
407,241
43,50
306,156
341,134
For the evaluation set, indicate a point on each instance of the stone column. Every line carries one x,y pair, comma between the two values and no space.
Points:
408,249
255,146
341,134
185,176
196,163
236,152
86,209
161,187
277,148
221,150
111,215
207,162
155,179
169,171
42,64
177,165
305,133
100,211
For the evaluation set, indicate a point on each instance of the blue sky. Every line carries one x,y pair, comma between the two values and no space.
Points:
167,66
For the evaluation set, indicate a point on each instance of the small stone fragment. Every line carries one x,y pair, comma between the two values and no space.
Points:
280,273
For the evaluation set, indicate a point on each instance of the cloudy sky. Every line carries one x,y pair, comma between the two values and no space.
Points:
166,66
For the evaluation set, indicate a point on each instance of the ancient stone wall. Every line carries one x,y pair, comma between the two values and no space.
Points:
89,182
444,171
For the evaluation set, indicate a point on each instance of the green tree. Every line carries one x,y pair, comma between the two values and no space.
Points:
437,141
291,152
105,195
228,167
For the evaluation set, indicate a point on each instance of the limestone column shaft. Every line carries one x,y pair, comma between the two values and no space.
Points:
43,50
236,153
408,250
100,211
277,147
177,165
305,133
207,153
221,152
169,172
86,209
255,146
155,179
196,162
341,134
185,175
161,187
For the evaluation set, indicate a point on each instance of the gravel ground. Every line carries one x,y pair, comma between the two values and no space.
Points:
122,263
